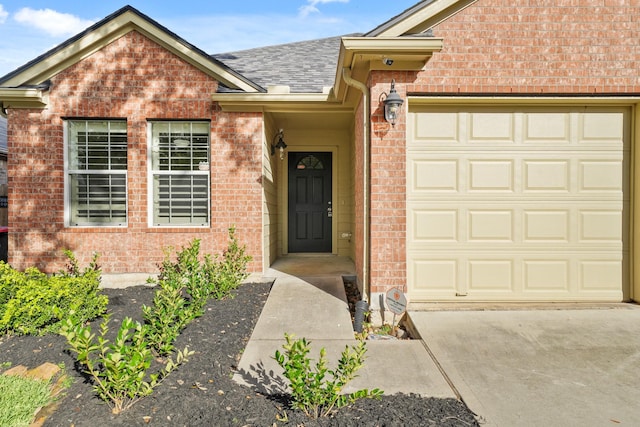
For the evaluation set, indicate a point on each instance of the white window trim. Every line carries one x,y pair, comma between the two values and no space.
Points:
67,182
151,174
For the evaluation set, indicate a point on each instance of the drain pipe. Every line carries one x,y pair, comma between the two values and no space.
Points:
363,305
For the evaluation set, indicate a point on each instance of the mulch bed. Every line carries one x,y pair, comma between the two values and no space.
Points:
202,392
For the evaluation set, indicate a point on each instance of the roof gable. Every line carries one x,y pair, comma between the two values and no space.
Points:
111,28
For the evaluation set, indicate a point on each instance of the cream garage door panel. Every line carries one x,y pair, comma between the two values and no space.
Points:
511,204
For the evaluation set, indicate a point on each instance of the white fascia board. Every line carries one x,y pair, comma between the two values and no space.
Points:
22,98
425,18
260,102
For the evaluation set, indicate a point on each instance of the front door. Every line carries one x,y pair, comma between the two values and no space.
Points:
310,210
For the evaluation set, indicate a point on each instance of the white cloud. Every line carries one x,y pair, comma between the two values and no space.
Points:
53,23
311,6
3,14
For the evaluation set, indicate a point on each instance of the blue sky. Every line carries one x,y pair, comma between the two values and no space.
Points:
30,28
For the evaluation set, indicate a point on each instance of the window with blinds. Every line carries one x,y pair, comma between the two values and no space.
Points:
96,172
180,173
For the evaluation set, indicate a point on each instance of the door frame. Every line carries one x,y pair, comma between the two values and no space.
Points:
284,194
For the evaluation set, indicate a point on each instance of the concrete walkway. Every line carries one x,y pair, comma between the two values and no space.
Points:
571,367
308,300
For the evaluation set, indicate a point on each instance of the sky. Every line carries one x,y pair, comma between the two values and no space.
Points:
30,28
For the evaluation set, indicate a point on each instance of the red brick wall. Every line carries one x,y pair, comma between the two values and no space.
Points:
136,79
538,47
388,185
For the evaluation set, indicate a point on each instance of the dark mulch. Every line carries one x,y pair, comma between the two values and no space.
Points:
202,392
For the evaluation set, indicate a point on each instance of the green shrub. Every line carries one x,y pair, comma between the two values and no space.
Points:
181,295
317,391
73,269
34,303
167,317
119,370
10,281
186,284
231,269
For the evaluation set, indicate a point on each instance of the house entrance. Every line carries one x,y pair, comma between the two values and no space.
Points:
310,209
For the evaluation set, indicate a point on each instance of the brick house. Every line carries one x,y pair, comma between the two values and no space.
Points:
508,175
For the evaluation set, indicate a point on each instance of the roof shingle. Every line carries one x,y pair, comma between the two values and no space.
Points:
306,67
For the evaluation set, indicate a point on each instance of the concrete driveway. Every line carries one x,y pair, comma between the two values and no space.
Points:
541,367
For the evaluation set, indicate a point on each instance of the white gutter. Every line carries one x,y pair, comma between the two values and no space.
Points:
366,108
22,98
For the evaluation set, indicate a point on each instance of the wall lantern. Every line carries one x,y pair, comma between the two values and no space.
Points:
392,104
280,145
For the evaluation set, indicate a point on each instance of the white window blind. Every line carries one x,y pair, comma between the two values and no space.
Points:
96,172
180,173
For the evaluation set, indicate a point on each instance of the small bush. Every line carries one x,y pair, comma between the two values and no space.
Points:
32,303
119,370
186,285
317,390
231,269
180,298
168,316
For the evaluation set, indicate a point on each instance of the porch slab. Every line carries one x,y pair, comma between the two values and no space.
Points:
301,265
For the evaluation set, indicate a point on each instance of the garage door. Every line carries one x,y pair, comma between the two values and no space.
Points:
517,204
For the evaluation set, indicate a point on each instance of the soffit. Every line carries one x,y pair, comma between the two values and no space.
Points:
361,55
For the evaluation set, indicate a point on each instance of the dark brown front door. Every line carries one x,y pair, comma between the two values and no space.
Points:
310,210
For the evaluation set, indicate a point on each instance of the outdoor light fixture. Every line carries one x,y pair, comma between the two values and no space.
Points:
392,104
280,145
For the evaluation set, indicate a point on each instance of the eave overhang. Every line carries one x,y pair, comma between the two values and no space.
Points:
22,98
361,55
276,102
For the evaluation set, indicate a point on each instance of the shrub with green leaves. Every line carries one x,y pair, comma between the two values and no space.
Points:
317,390
119,370
34,303
186,284
167,317
180,298
230,269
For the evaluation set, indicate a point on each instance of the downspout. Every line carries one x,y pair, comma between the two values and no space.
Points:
346,75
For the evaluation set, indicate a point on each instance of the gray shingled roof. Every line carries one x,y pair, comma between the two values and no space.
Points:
306,67
3,135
